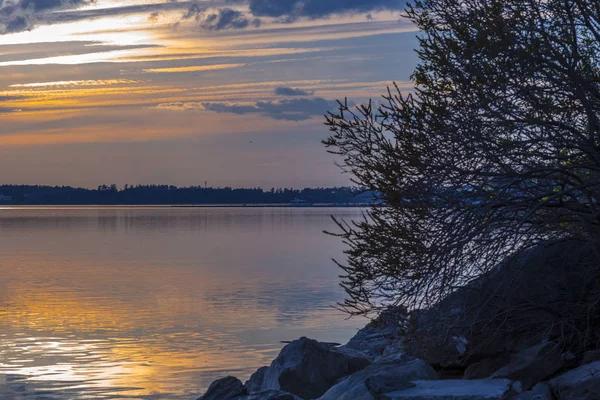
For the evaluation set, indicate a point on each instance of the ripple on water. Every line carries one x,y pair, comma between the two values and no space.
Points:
157,303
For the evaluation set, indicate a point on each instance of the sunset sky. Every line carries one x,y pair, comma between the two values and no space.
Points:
231,92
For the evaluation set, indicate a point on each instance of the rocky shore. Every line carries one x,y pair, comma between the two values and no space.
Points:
460,349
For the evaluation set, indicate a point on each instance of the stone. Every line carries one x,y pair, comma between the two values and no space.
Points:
270,395
590,356
581,383
486,318
541,391
255,383
381,337
453,389
228,388
486,367
380,378
532,365
308,368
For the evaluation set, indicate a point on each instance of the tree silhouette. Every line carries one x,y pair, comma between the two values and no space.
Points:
496,149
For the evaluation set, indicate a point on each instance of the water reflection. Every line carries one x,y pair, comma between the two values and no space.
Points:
156,303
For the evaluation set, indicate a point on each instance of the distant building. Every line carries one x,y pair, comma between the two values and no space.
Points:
4,198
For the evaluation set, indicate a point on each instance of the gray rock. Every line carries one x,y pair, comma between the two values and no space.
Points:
308,369
255,383
228,388
270,395
532,365
582,383
380,378
381,335
454,389
541,391
486,367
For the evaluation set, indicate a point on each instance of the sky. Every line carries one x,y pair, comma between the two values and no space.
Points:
232,92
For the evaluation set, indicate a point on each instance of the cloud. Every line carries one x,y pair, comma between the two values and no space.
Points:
194,11
10,98
288,91
222,19
286,11
72,84
21,15
227,18
292,9
192,68
287,109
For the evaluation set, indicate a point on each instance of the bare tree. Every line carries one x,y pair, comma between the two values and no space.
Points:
497,148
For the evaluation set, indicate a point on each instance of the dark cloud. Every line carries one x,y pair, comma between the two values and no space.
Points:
16,24
292,9
21,15
227,18
194,11
222,19
288,91
42,5
153,17
288,109
9,98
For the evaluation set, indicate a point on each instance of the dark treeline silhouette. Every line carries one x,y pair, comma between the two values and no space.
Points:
168,194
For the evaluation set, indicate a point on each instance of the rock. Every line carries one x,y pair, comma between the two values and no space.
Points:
582,383
532,365
231,388
255,383
487,317
381,335
541,391
225,389
590,356
308,368
454,389
380,378
486,367
270,395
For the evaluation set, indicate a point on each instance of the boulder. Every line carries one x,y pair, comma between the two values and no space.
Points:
255,383
454,389
228,388
308,368
582,383
231,388
521,302
380,378
541,391
590,356
486,367
532,365
382,336
270,395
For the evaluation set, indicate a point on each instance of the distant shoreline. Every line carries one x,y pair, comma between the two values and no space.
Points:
194,196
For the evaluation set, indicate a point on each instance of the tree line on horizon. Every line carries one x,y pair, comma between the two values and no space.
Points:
170,194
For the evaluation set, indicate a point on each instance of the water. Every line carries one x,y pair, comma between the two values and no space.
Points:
155,303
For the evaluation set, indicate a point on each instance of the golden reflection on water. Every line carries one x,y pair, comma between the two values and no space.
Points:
156,303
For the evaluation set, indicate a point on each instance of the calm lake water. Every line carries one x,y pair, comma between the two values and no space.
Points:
155,303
